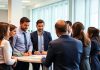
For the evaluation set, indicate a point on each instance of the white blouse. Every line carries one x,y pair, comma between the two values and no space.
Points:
6,52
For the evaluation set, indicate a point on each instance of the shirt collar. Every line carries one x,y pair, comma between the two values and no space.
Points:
21,31
40,33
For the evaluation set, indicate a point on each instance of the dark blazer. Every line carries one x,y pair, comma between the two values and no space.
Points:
95,49
65,53
34,38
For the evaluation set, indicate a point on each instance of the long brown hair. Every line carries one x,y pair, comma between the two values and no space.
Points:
12,27
3,29
78,33
94,33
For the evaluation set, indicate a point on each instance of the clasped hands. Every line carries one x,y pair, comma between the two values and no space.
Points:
27,53
40,53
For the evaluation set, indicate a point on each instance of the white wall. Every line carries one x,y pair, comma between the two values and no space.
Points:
16,12
3,15
26,12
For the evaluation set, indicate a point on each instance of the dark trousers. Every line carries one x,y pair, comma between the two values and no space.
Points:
36,66
22,66
5,67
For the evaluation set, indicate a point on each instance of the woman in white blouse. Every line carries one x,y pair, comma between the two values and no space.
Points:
6,59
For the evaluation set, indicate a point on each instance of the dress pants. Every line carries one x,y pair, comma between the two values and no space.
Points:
22,66
36,66
5,67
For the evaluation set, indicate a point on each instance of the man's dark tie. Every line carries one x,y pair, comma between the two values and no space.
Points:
25,41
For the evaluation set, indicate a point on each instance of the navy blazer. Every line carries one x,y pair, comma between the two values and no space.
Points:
34,38
65,53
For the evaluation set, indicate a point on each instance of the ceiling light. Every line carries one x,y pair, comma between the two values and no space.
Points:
26,1
2,6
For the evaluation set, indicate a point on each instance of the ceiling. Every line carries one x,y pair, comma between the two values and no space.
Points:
4,3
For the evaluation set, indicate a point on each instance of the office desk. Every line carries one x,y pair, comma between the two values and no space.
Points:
33,59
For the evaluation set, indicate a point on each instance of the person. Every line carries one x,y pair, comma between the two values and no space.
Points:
69,27
12,33
99,46
6,59
40,46
93,34
22,44
65,51
78,33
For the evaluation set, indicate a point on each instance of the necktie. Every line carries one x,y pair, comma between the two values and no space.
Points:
25,41
41,44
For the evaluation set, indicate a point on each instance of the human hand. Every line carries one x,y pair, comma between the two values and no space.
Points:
29,53
44,53
15,58
43,59
37,53
25,54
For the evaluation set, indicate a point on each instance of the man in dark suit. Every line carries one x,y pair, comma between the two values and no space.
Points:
64,52
40,40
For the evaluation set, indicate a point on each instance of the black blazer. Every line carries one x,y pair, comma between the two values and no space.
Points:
34,38
65,53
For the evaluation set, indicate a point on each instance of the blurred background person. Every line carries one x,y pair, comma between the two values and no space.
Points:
69,27
6,51
93,34
78,33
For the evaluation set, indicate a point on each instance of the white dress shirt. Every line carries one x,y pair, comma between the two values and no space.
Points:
6,53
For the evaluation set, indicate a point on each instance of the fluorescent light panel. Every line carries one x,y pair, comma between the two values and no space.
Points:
26,1
2,6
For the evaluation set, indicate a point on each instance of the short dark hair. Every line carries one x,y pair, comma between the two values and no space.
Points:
68,22
60,28
39,21
24,19
12,27
3,29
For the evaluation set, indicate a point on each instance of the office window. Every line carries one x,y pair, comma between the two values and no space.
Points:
79,11
87,12
94,7
50,14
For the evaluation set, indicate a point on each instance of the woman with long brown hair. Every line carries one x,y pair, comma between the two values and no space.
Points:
78,33
12,33
93,34
6,51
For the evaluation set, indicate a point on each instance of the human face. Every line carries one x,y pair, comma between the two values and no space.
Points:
12,33
24,26
7,35
69,28
40,27
87,34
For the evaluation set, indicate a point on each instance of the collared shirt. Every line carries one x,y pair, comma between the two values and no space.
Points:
19,44
40,42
